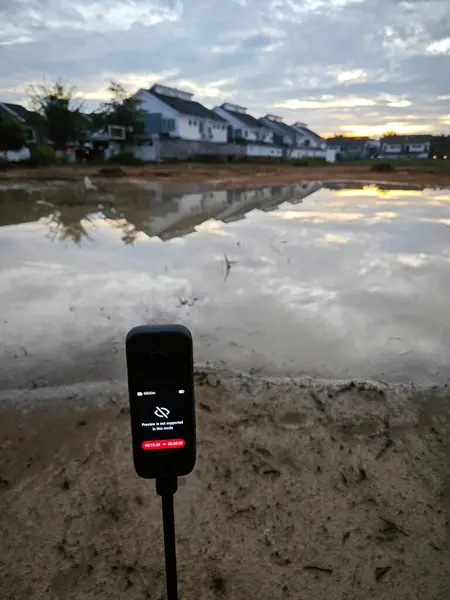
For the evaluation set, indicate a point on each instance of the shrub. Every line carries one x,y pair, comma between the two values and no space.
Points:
62,158
4,164
111,172
308,162
125,158
383,168
41,156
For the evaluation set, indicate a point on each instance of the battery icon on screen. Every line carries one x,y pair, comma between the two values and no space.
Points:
181,391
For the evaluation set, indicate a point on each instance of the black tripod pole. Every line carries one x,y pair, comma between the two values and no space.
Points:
166,488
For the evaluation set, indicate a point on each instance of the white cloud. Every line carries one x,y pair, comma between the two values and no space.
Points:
350,75
342,102
399,104
209,90
440,47
11,34
394,101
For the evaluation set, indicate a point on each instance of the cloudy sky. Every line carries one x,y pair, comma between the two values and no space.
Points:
350,66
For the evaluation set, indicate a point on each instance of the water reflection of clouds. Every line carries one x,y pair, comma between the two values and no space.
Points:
437,220
332,274
317,216
334,238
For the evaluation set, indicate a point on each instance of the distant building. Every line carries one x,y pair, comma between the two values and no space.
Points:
246,129
312,144
33,129
173,113
406,146
283,134
32,123
297,140
353,148
308,138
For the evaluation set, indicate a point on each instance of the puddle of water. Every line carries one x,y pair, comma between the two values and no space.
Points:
329,280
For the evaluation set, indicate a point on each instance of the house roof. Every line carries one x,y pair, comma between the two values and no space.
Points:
306,131
187,107
405,139
248,120
279,126
348,143
28,116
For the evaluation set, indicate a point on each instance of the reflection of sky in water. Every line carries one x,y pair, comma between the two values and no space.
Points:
335,282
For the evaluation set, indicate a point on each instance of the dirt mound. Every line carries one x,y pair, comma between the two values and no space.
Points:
111,172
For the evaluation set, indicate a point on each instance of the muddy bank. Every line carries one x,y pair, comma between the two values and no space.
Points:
303,489
232,175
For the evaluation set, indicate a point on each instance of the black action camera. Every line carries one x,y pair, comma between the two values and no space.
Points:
162,406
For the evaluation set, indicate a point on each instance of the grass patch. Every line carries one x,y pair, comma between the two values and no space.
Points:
125,158
308,162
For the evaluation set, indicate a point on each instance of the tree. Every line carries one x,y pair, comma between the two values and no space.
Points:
122,110
11,133
61,110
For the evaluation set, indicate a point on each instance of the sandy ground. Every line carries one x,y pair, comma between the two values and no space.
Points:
303,489
239,174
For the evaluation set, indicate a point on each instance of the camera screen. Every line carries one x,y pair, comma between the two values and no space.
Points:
162,419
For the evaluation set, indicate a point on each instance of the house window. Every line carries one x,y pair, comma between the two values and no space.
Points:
168,125
29,135
246,133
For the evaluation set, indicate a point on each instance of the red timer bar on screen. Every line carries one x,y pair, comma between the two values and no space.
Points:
163,444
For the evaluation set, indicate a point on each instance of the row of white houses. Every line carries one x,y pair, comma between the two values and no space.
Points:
174,114
177,126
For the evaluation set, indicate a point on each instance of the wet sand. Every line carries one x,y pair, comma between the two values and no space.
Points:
237,174
303,489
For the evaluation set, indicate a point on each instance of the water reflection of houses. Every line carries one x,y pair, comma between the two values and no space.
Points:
181,215
155,211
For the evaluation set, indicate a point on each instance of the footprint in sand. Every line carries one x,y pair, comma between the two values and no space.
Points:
292,420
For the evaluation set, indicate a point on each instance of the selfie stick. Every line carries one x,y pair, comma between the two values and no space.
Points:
166,488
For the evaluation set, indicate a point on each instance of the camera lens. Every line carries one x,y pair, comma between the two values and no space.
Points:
159,365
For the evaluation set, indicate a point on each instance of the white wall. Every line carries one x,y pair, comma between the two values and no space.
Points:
251,134
330,155
231,119
268,135
262,150
186,127
307,153
153,105
17,155
392,148
145,152
190,129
